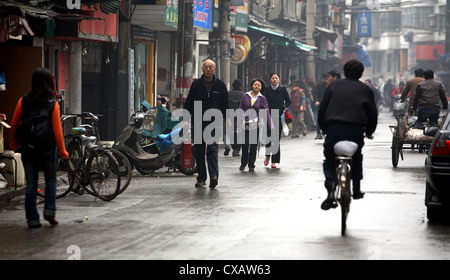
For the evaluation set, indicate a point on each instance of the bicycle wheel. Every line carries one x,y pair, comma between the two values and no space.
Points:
344,181
104,176
63,180
124,169
344,201
395,151
186,171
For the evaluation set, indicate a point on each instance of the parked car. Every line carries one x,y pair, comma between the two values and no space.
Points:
437,165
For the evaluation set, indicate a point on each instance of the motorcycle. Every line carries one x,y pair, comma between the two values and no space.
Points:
149,154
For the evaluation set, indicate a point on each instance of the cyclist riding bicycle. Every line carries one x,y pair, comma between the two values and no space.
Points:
347,112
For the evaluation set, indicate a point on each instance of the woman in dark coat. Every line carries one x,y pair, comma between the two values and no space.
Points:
278,99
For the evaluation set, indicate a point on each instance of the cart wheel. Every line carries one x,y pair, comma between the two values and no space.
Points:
395,151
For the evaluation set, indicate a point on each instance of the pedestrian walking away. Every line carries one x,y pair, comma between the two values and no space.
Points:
41,98
410,90
318,93
387,92
347,112
249,118
298,108
429,96
211,93
234,99
398,107
278,99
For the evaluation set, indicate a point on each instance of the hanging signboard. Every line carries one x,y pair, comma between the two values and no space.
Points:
364,23
203,14
171,14
242,47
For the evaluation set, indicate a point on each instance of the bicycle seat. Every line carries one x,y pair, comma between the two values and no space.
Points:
345,148
88,141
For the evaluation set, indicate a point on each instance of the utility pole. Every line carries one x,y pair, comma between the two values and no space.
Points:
447,31
310,25
224,38
353,23
185,49
123,103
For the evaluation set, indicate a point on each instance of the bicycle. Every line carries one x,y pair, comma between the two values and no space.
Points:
344,151
75,147
97,171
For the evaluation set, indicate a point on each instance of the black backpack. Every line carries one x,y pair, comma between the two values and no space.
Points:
35,133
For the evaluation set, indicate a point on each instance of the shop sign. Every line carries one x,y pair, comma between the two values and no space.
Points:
364,24
203,14
241,49
171,15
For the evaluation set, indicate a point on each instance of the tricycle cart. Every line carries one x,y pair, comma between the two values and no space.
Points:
403,135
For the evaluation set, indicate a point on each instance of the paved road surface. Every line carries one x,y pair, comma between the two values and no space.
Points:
270,214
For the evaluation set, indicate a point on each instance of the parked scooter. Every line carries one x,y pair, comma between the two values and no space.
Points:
161,152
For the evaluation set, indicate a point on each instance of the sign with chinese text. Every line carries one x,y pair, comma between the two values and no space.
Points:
203,14
364,23
171,15
242,47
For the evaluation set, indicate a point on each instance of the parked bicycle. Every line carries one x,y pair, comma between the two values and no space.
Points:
86,132
97,171
90,128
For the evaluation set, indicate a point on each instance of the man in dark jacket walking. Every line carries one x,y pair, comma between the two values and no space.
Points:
347,111
207,93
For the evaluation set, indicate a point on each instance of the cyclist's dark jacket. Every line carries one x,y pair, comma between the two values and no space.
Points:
428,95
348,101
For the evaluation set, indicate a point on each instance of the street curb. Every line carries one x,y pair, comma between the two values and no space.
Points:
9,195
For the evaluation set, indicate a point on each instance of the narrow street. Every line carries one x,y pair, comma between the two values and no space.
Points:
269,214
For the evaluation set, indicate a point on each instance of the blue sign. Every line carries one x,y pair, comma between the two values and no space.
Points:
364,24
203,14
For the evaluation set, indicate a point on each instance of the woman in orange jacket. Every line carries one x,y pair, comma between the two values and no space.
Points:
40,97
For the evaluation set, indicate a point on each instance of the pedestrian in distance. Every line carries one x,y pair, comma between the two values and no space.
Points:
428,98
376,93
387,90
318,93
347,112
40,98
333,75
298,108
410,90
234,99
209,93
398,107
278,99
249,117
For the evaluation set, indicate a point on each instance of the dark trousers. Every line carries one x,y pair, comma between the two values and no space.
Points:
433,115
275,156
31,164
212,159
228,135
337,132
250,148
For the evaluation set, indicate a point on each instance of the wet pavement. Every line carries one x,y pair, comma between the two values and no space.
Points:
269,214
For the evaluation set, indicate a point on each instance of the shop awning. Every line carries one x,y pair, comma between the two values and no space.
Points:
363,56
279,33
330,34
